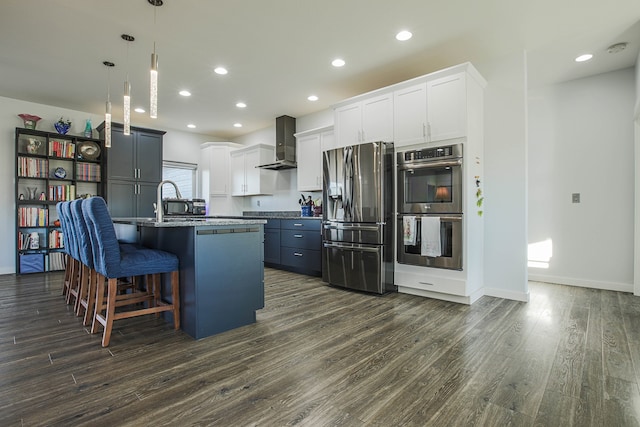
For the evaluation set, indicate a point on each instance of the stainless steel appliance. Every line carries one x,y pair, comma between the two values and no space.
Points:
285,144
184,207
430,185
430,180
357,230
450,241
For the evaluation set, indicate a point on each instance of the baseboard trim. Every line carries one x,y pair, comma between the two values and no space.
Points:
511,295
569,281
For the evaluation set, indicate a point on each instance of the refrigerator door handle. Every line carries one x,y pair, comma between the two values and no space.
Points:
348,247
350,227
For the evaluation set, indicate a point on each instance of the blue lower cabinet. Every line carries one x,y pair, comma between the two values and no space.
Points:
306,259
294,245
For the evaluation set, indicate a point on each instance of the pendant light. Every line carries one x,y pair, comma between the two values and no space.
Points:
127,90
153,81
107,111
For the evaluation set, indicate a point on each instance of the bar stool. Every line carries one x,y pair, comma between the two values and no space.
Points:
110,263
85,254
74,261
65,249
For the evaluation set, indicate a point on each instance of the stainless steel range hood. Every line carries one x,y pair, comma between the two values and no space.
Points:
285,144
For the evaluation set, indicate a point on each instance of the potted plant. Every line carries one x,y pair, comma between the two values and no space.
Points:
62,125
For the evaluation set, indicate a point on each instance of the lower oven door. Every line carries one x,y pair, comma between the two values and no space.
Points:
356,266
450,242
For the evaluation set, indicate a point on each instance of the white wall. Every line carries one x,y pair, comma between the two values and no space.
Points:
581,137
505,187
178,146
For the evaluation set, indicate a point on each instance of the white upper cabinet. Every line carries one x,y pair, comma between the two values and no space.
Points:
365,121
309,147
447,107
430,111
410,115
213,169
246,178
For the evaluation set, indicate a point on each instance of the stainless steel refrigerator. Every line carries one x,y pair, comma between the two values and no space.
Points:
357,226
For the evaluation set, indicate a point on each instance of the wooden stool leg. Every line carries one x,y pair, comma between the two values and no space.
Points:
156,292
67,275
175,296
99,302
82,289
111,311
91,297
73,279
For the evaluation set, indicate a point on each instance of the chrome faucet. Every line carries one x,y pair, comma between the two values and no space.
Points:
159,206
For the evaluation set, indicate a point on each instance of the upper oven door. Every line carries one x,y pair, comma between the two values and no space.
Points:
429,186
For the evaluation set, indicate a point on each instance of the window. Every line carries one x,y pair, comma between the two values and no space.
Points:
183,174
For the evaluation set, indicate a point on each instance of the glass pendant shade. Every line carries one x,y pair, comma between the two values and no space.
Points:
127,108
107,125
153,87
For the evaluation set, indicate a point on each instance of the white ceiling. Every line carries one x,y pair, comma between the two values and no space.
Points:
279,51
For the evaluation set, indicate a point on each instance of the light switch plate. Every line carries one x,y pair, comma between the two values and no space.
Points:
575,198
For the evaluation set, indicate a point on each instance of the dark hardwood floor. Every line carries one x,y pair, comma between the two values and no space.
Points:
320,356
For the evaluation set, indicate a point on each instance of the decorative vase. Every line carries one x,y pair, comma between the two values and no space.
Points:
30,121
34,240
62,127
31,191
88,131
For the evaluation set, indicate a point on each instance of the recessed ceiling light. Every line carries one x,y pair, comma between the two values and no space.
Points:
338,62
404,35
220,70
585,57
185,93
237,125
139,110
241,105
312,98
191,126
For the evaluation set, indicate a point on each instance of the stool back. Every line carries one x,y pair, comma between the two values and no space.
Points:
65,210
106,250
82,233
63,226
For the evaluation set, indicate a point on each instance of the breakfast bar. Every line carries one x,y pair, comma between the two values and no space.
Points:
221,267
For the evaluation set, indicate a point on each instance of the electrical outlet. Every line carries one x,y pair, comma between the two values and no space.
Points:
575,198
258,203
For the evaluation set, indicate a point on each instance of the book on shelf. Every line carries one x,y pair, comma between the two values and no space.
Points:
87,171
62,148
62,192
31,167
33,217
56,240
57,261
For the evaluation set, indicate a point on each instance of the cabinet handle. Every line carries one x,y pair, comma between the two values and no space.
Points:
297,254
298,236
297,225
424,130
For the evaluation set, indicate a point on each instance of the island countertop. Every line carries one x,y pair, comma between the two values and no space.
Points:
188,221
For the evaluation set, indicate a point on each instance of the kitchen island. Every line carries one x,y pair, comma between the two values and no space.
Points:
221,267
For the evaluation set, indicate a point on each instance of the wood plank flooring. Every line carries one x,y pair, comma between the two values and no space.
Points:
320,356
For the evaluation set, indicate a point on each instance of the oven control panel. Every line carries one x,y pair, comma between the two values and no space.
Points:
436,153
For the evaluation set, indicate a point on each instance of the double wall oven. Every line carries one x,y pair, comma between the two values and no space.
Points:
429,190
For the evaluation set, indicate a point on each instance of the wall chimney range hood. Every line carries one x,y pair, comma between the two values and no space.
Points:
285,144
